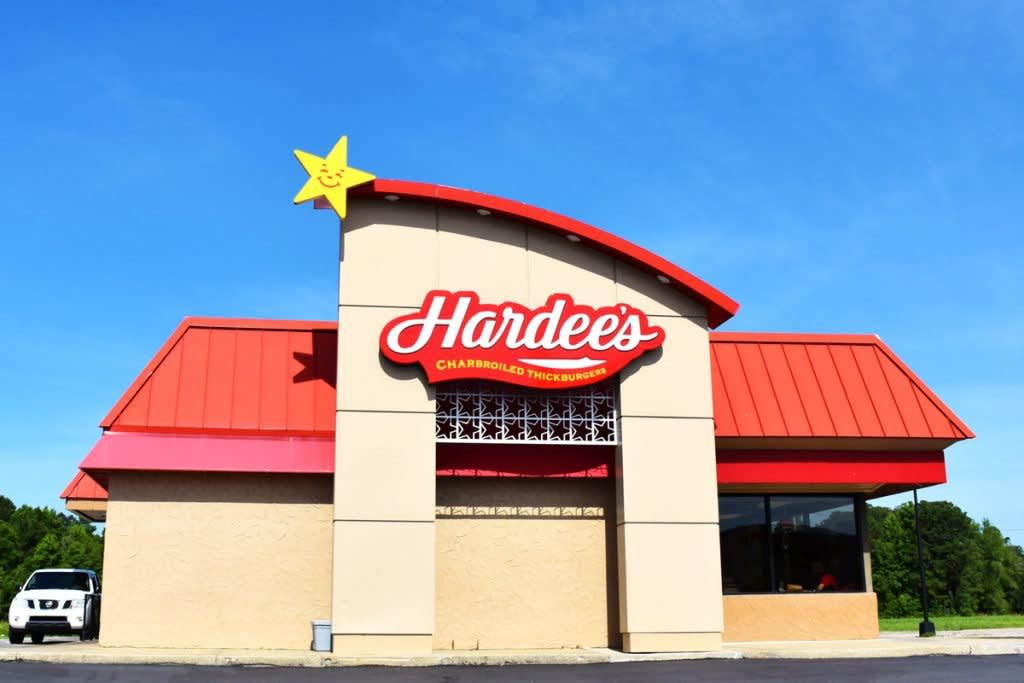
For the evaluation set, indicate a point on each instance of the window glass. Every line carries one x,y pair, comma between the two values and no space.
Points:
815,544
789,544
744,544
58,581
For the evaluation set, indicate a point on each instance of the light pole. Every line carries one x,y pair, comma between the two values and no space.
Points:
926,628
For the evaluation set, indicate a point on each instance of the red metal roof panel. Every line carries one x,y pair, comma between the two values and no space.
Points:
786,385
217,376
84,487
819,420
235,376
791,407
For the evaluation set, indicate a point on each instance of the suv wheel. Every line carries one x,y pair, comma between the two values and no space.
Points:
16,637
37,638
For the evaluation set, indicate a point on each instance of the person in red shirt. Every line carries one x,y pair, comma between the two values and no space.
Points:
826,582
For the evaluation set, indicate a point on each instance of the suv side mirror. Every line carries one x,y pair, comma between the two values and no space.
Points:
18,589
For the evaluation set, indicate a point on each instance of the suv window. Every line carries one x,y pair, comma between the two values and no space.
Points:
76,581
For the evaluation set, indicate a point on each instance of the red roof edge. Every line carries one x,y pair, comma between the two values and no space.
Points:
200,321
84,487
862,339
720,307
950,415
794,338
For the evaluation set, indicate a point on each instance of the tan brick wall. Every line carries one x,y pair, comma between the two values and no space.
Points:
525,563
216,560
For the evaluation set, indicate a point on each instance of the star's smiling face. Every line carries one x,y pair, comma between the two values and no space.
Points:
330,178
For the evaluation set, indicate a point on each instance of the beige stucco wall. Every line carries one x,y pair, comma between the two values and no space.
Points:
216,560
392,254
525,563
817,616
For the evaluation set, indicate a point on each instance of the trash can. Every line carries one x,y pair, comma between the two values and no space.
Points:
321,635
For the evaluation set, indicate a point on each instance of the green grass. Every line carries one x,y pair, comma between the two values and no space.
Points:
3,629
954,623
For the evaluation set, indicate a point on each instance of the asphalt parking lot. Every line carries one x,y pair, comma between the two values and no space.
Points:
1008,669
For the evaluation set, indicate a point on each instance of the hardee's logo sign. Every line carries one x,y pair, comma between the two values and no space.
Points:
561,344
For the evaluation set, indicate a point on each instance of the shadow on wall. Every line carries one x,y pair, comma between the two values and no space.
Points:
322,363
215,487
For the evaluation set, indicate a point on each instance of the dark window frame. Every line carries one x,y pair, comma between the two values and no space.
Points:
858,501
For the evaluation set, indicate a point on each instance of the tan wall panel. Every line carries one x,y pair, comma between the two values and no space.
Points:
671,642
818,616
672,578
366,380
384,578
643,290
525,563
383,466
675,380
216,560
389,253
484,253
380,646
669,471
558,265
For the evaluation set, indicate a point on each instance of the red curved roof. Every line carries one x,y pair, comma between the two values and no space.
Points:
720,307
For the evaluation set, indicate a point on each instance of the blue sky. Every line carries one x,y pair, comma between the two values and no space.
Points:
835,167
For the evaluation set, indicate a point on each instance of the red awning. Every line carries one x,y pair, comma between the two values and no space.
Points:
189,453
867,470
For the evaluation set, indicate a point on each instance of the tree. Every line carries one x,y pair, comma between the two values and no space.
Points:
6,508
969,567
32,538
893,564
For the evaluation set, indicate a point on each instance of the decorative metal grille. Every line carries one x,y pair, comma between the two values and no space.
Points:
485,412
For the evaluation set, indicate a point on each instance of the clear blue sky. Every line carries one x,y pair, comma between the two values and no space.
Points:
835,167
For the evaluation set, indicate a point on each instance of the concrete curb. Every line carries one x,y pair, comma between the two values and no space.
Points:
92,653
72,653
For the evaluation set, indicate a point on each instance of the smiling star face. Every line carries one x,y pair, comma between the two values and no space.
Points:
329,177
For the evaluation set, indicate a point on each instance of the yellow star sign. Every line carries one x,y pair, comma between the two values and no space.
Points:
330,177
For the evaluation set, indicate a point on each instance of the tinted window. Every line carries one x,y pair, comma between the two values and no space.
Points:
789,544
744,544
814,538
78,581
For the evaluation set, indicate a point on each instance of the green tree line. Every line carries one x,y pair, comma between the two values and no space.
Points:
971,568
32,538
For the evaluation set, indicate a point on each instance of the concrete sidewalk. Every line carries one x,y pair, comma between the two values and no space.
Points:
1008,641
986,642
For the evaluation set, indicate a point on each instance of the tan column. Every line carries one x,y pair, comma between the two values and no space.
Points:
861,507
383,585
670,587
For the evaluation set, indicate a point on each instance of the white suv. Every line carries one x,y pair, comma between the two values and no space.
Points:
56,601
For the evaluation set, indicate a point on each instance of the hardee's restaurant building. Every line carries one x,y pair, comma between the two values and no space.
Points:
521,432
